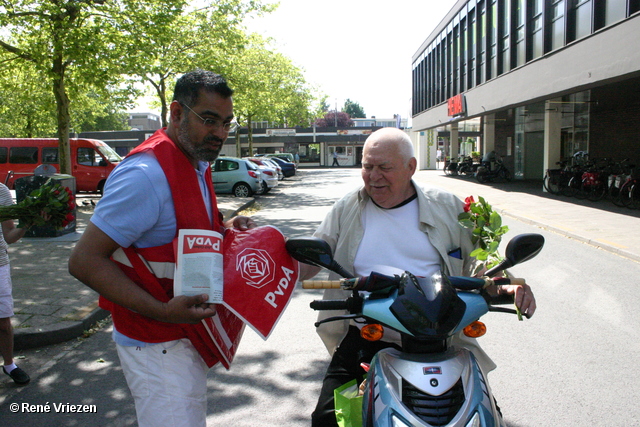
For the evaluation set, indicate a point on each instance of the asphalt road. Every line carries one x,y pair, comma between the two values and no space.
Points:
573,364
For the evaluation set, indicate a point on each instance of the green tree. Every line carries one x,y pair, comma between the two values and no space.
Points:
268,86
205,38
26,107
100,113
74,45
353,109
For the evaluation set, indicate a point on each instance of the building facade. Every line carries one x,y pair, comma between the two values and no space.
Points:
144,121
545,78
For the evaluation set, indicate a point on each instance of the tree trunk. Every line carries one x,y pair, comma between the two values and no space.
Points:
164,108
238,145
62,110
250,135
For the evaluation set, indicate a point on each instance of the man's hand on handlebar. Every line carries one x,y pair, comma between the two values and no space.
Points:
523,297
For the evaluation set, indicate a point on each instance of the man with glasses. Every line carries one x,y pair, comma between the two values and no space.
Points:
126,253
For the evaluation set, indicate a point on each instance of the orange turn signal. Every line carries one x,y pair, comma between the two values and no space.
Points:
475,329
372,332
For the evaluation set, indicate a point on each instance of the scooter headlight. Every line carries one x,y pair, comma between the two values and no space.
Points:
474,421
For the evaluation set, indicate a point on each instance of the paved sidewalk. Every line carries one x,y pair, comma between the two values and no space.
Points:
51,306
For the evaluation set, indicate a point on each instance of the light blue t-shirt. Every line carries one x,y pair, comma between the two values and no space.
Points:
137,209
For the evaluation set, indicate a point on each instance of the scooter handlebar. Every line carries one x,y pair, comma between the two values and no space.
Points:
330,305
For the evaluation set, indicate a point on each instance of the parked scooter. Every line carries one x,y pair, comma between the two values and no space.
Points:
432,381
467,167
496,172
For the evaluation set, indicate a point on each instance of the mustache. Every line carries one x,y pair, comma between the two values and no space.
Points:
213,138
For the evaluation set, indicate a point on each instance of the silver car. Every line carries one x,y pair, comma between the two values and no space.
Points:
239,177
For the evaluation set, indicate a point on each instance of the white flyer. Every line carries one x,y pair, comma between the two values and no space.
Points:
199,264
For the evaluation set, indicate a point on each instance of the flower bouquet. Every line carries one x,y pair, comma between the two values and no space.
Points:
52,204
487,229
487,232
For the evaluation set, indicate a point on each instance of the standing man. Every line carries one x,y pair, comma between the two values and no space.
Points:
390,225
9,233
126,253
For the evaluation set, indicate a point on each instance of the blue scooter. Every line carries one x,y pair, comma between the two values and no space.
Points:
435,380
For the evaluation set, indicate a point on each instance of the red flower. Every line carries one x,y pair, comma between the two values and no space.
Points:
467,203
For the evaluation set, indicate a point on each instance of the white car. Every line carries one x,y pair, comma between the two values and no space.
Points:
268,176
275,166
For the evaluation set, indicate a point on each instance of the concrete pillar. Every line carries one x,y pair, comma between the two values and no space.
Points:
489,136
454,145
552,133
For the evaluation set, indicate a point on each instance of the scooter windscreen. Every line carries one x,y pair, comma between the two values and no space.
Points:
428,307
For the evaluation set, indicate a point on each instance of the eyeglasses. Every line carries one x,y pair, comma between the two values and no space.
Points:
215,123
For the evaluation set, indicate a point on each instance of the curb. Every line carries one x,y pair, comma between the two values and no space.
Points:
230,213
25,338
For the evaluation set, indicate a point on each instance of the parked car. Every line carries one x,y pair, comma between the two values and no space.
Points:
270,163
235,176
268,175
287,157
288,168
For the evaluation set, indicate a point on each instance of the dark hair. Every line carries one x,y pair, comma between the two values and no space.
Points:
189,85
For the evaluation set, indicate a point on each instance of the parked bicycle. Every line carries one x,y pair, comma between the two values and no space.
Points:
629,195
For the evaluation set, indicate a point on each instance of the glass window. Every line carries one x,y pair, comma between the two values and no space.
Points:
615,11
536,34
583,18
557,24
50,155
3,154
23,155
88,157
109,153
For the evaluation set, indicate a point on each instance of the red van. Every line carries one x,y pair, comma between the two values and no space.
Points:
91,160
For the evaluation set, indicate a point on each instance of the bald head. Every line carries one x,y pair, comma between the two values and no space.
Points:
387,167
391,139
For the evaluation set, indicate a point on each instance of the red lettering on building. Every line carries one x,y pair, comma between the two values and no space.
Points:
455,105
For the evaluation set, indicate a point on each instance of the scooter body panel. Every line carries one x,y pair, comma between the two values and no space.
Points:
443,389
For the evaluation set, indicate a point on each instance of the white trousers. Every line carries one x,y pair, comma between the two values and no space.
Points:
6,299
168,382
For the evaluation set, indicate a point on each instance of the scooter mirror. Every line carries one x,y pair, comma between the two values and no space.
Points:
315,251
310,250
521,248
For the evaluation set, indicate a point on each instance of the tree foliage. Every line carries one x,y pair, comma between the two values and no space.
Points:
208,38
333,118
268,86
353,109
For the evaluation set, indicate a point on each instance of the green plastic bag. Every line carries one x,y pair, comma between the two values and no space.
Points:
348,404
